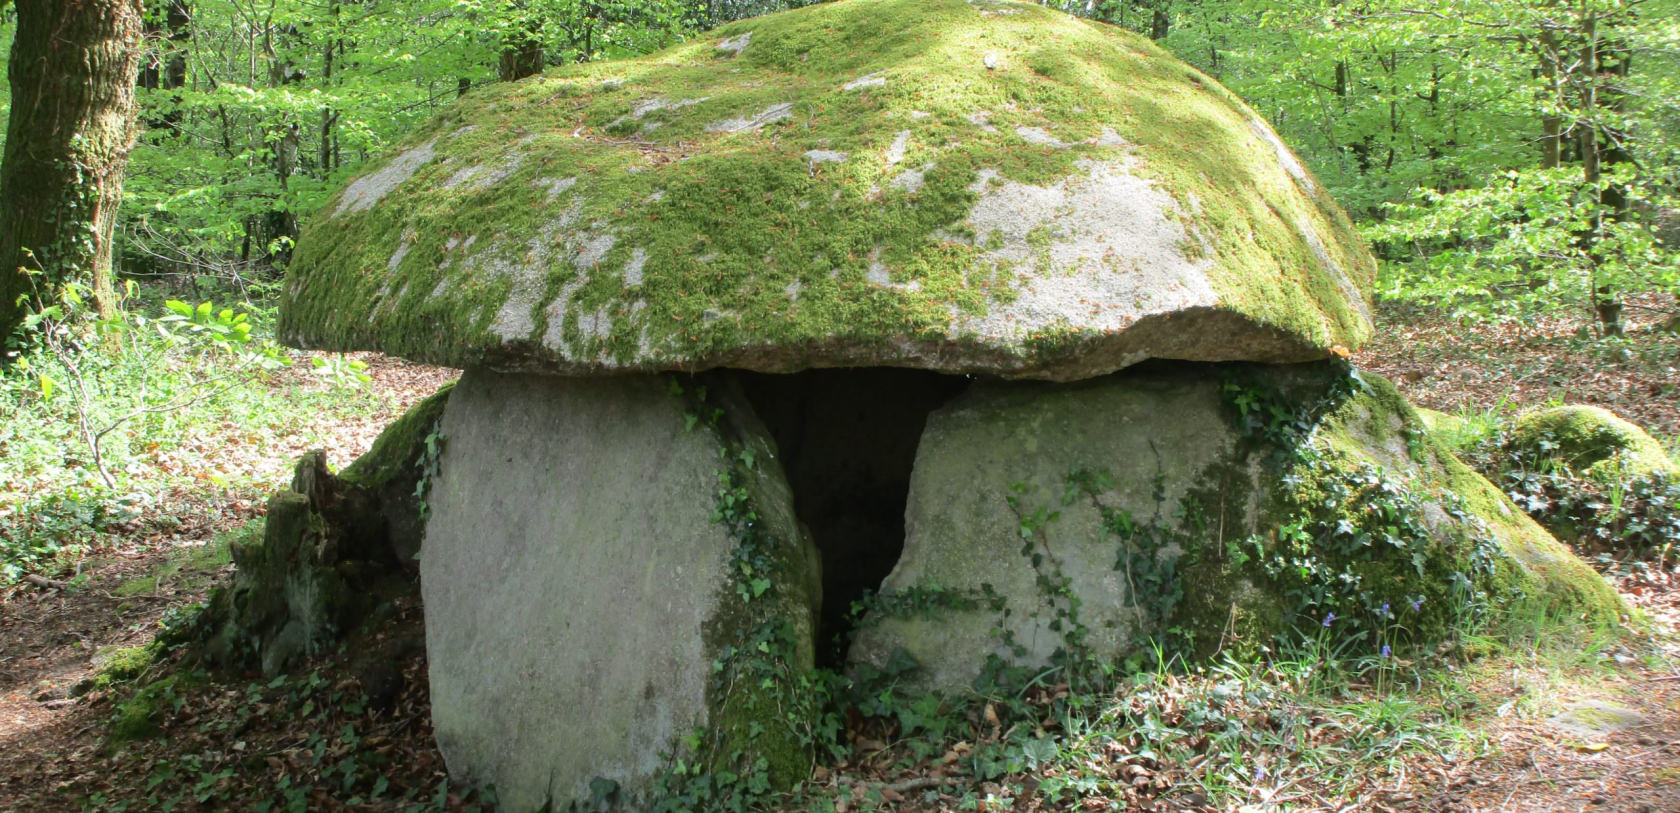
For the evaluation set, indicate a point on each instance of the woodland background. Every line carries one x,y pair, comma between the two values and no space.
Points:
1514,163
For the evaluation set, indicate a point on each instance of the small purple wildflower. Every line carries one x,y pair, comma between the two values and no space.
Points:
1386,651
1259,774
1329,618
1416,603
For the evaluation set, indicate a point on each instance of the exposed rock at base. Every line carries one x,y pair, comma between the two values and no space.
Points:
998,189
1589,442
1198,509
331,547
594,593
391,472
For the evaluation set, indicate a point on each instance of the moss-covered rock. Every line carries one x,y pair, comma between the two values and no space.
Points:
327,550
390,476
979,186
138,716
1450,428
1201,508
1590,442
623,565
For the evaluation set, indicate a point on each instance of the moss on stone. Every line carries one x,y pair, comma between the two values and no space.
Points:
666,213
139,716
1531,567
1326,501
1591,442
1551,576
395,453
762,634
124,664
1227,610
1374,525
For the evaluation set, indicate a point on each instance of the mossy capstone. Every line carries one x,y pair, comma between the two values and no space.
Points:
968,187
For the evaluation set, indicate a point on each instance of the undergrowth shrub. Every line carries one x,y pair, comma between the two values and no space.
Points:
104,418
1639,517
1627,516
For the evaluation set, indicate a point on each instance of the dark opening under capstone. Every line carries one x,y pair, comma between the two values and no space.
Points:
847,439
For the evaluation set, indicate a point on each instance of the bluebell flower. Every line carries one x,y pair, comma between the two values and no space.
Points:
1329,618
1386,650
1416,603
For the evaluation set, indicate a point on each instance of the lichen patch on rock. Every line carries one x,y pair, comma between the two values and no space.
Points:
779,162
368,190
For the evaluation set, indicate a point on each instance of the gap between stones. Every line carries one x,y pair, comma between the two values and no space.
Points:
847,438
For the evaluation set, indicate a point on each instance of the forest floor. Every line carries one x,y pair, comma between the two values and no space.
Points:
1540,724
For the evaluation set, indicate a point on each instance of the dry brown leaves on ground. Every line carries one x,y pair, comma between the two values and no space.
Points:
1450,367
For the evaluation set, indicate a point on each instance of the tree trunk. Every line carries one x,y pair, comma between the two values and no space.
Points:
1551,124
1604,60
1160,21
167,33
522,56
73,69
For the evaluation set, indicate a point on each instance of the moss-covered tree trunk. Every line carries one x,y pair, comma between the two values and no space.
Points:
73,70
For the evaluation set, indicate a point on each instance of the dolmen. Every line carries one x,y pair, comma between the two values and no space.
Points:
938,337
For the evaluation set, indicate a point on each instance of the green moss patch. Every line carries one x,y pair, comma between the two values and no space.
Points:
139,715
396,453
118,665
811,199
1590,442
187,568
1378,533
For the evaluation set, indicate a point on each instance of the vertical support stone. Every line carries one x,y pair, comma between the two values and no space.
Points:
581,601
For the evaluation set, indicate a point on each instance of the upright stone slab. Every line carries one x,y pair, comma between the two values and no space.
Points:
1095,518
987,495
579,593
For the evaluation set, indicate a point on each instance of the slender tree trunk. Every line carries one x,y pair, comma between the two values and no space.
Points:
73,69
1160,21
179,23
1551,124
1605,60
329,116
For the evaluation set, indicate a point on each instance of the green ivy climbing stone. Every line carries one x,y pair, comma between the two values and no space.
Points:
1200,509
614,584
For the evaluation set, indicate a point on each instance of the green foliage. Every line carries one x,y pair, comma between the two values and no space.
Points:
768,721
1591,478
103,416
1435,115
1514,246
1356,557
1417,113
1638,517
